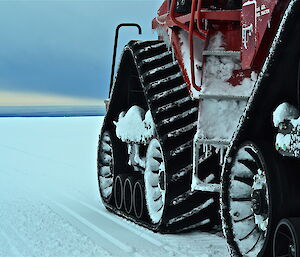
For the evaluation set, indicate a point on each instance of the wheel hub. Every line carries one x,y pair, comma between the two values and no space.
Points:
292,250
259,202
162,177
249,207
259,198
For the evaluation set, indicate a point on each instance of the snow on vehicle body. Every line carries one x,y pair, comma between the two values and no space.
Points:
190,119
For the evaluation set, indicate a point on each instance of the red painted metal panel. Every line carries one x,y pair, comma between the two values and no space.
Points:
256,16
264,12
249,32
222,15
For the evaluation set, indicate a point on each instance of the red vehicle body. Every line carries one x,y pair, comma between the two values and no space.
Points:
248,31
203,125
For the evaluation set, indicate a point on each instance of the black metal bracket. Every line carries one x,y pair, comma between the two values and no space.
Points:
116,46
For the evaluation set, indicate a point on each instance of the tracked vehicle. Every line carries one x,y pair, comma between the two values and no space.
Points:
202,125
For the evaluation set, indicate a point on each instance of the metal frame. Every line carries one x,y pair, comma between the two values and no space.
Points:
198,15
116,47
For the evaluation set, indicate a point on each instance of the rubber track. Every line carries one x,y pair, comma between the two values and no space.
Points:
175,115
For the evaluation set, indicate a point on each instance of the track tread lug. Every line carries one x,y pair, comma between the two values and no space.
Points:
164,95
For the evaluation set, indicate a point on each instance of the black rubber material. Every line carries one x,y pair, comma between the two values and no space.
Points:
128,194
287,238
269,160
277,84
156,84
118,190
139,204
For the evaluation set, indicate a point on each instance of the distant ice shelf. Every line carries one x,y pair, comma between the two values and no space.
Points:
52,111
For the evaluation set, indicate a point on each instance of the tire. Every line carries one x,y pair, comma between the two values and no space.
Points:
287,238
155,181
252,189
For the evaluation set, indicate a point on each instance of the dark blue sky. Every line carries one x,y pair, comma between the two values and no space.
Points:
65,47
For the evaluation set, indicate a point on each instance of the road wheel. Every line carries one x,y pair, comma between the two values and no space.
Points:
155,181
286,238
250,189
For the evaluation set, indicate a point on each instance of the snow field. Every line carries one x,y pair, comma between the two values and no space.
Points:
50,200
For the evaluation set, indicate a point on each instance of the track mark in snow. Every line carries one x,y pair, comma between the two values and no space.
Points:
102,233
119,222
20,248
139,231
12,247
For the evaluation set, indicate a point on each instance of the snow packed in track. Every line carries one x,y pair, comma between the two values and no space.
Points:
50,204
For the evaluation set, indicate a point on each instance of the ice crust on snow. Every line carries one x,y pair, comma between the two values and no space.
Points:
135,126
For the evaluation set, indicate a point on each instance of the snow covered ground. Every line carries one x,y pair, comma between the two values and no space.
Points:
49,201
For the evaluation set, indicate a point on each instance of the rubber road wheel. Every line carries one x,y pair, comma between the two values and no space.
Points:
253,188
286,238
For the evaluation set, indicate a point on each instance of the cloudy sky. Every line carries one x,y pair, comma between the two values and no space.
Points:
64,48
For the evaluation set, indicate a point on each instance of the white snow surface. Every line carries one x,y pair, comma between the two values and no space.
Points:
284,111
219,118
287,142
290,142
218,69
50,200
135,126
